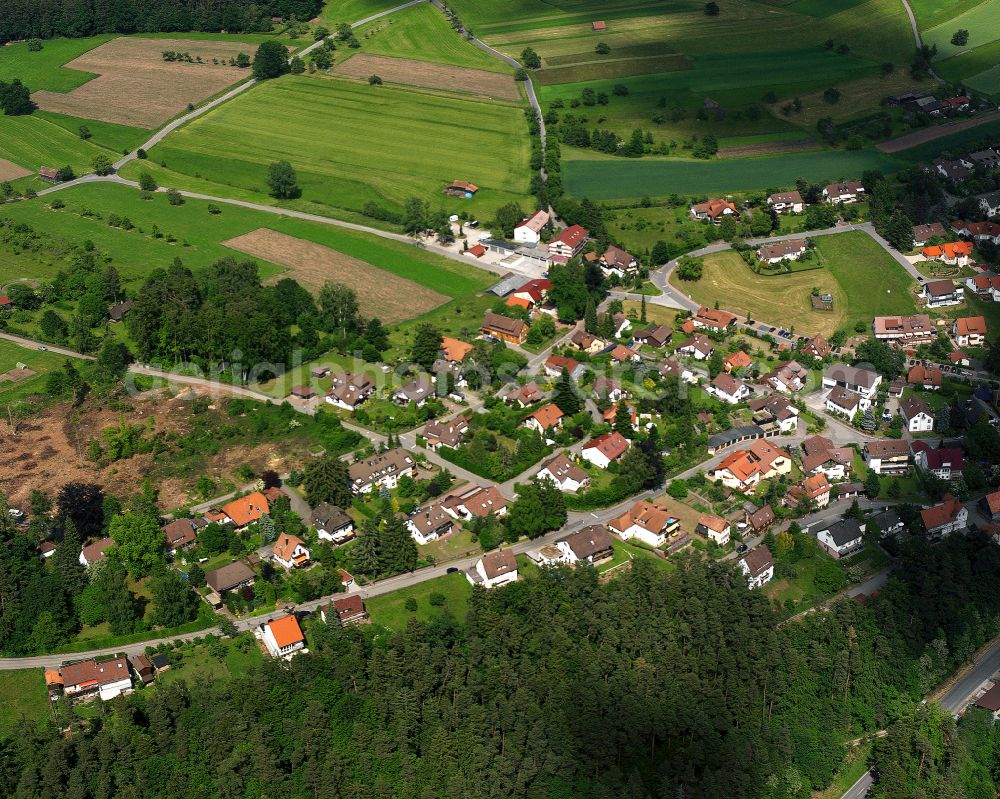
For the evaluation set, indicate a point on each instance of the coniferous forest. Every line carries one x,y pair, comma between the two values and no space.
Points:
658,685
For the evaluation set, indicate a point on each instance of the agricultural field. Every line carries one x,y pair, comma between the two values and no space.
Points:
137,87
981,20
588,174
198,238
352,144
46,69
423,33
427,75
351,11
380,293
864,280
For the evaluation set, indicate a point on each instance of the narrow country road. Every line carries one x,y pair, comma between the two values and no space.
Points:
916,36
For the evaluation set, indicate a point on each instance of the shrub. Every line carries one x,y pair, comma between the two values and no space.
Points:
374,80
437,599
410,604
174,197
214,209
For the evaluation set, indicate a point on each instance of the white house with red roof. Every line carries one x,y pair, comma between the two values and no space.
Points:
529,231
533,292
605,449
290,551
282,636
568,243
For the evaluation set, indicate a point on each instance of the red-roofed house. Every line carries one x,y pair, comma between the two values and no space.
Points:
969,331
555,364
605,449
954,253
246,510
548,417
737,360
282,636
949,516
715,210
568,243
290,551
476,251
944,462
534,290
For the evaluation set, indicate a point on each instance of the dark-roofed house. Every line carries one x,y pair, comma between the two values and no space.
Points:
430,522
118,311
493,569
177,535
331,523
758,566
449,433
345,610
230,577
941,293
848,192
699,346
760,520
843,402
821,456
775,412
778,251
108,678
564,473
736,435
655,336
889,456
917,415
94,552
415,391
381,470
729,389
842,538
945,463
990,701
513,331
786,202
617,261
592,544
862,382
924,233
888,522
817,348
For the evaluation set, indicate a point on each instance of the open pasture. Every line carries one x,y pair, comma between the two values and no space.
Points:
380,293
33,141
45,68
981,20
930,13
430,76
351,144
136,87
613,68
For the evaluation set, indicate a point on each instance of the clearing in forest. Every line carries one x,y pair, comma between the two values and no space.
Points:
11,171
389,297
136,86
492,85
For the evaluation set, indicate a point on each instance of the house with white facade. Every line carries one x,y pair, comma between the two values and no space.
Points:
564,473
107,678
916,415
714,527
290,551
591,544
494,569
941,293
651,524
786,202
282,636
889,456
605,449
758,567
843,193
842,538
948,516
382,470
529,230
729,389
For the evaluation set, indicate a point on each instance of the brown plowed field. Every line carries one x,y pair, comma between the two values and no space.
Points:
11,171
389,297
135,86
767,148
431,76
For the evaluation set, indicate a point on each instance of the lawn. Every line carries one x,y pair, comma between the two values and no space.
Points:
458,545
197,661
424,33
390,611
41,363
350,11
352,144
26,700
587,174
136,252
863,279
930,13
44,69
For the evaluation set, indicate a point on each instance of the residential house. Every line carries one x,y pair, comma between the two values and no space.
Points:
988,159
959,358
990,506
989,203
345,610
928,377
568,243
849,192
922,234
775,411
948,516
816,348
969,331
656,336
564,473
916,415
592,544
778,251
382,470
332,523
616,261
990,701
586,342
605,449
244,511
555,364
607,388
714,210
548,417
843,538
142,668
713,319
743,469
671,368
736,361
953,169
729,389
522,396
94,552
513,331
821,456
453,350
611,414
302,392
941,293
107,678
945,463
787,377
415,391
494,569
533,292
348,390
955,253
887,521
978,231
786,202
699,346
843,402
855,380
814,489
621,354
290,551
529,229
430,522
230,577
178,535
118,311
282,636
909,330
480,502
448,433
758,567
714,527
887,457
651,524
461,188
758,521
733,436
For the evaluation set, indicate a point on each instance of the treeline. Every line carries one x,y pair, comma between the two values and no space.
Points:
652,685
25,19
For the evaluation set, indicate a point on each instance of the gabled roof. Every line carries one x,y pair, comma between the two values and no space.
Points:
941,514
758,560
700,342
971,326
816,485
939,288
611,445
535,222
572,236
761,517
179,533
547,415
560,362
785,197
950,250
589,541
945,458
455,350
246,509
286,631
845,531
712,522
911,407
853,375
285,546
843,398
924,375
225,577
95,552
727,384
714,317
887,448
737,360
621,353
992,501
562,468
503,324
496,564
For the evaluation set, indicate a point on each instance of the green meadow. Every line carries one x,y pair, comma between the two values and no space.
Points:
44,69
199,234
41,363
351,143
981,20
610,178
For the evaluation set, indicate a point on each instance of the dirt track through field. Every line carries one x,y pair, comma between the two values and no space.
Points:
11,171
389,297
431,76
936,132
136,87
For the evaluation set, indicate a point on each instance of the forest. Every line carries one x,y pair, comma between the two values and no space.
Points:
24,19
655,684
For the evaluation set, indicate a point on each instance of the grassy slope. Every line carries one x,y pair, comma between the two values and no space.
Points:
587,174
44,69
25,699
423,33
351,143
39,362
390,611
35,141
135,254
982,21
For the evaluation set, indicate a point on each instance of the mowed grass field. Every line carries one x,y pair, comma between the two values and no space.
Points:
390,611
864,280
41,363
44,69
25,700
586,174
199,236
352,144
981,20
